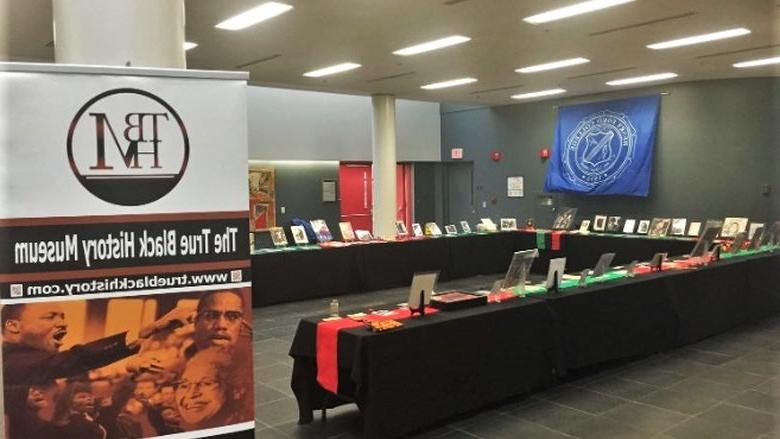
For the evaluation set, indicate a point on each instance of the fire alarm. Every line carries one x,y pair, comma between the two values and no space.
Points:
544,153
495,156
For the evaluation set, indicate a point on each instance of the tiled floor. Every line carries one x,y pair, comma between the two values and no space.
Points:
723,387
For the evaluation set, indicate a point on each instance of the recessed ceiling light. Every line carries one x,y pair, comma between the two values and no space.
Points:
638,79
758,62
553,65
253,16
539,94
432,45
332,70
572,10
188,45
450,83
697,39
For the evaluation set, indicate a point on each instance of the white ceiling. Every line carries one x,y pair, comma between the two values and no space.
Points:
318,33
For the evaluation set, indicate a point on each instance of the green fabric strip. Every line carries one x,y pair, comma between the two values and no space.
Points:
540,240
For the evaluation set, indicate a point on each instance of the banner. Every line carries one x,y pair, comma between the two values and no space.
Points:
604,148
124,254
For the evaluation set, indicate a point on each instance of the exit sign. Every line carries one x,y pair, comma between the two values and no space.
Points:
457,153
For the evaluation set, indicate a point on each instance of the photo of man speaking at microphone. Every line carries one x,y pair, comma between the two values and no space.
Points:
131,367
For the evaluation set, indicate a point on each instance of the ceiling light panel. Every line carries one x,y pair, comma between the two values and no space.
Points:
641,79
432,45
553,65
450,83
539,94
758,62
332,70
573,10
253,16
699,39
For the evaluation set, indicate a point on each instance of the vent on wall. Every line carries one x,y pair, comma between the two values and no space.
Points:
734,52
454,2
385,78
258,61
605,72
644,23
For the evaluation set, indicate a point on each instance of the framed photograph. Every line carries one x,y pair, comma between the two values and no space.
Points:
519,269
678,226
417,230
629,226
659,227
421,283
363,235
400,228
262,198
508,224
643,227
734,226
432,229
347,234
600,223
585,226
613,224
490,226
530,223
753,228
299,235
451,229
329,191
321,230
555,272
278,237
565,218
694,229
465,227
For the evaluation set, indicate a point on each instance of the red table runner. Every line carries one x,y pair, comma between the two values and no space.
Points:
556,240
328,339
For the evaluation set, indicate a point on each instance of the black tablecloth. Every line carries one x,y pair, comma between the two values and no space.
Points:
452,362
297,275
434,367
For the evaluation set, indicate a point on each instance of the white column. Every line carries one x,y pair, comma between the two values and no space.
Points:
140,33
384,163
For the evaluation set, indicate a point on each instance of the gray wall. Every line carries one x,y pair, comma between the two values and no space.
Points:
305,125
776,181
717,144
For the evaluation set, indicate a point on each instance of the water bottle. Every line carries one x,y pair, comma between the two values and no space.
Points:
334,308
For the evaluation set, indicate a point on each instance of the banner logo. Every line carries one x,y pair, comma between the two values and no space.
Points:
128,147
599,149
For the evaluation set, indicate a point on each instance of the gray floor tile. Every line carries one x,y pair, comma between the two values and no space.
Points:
622,388
582,399
706,357
602,427
645,418
757,401
652,375
552,415
265,394
709,389
725,421
274,372
278,412
686,403
504,426
754,367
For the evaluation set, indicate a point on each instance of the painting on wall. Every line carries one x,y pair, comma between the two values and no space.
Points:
262,198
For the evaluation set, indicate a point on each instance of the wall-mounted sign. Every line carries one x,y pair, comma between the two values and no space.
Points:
515,187
456,153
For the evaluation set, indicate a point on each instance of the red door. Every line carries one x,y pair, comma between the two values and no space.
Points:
355,186
356,189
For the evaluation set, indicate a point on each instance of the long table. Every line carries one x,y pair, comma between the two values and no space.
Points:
452,362
288,276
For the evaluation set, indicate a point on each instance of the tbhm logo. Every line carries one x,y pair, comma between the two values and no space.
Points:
128,147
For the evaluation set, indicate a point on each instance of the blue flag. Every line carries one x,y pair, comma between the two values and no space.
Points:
604,148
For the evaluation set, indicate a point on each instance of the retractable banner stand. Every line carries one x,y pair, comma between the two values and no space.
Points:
124,266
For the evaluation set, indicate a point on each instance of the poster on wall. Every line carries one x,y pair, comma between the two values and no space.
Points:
124,267
604,148
262,198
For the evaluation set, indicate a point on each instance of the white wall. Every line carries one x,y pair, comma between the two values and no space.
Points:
305,125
